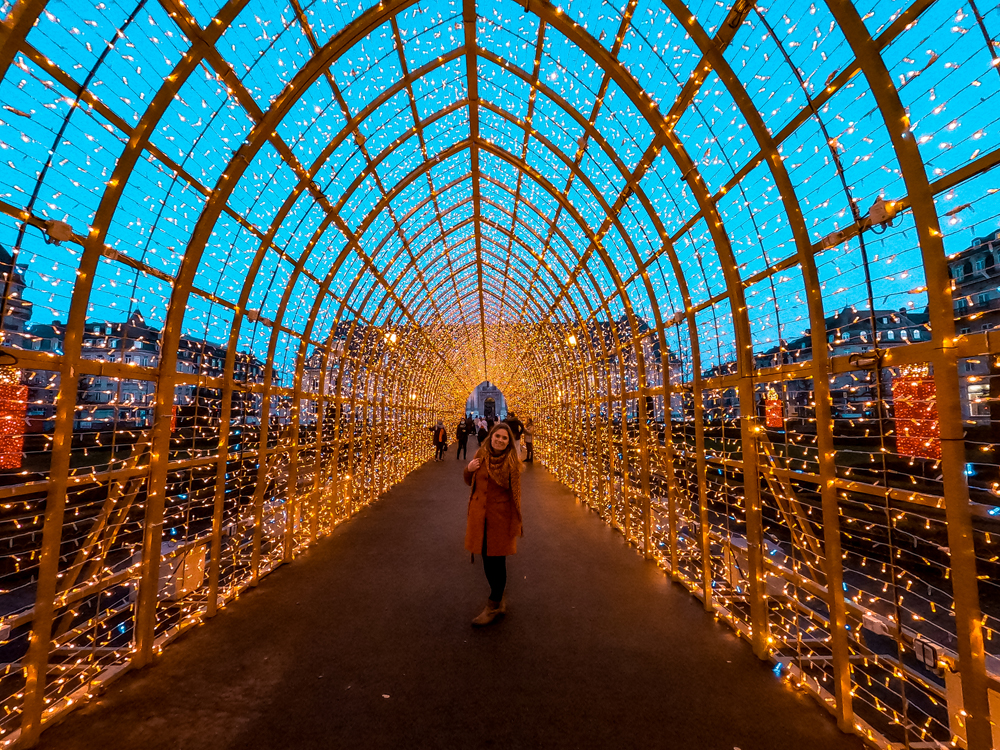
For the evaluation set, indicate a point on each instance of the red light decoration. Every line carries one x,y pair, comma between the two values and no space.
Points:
918,433
13,411
773,411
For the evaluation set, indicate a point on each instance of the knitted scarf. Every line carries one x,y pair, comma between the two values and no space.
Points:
500,472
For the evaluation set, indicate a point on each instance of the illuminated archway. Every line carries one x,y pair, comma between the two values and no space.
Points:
725,255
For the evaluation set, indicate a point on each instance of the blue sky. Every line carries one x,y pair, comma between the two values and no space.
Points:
941,65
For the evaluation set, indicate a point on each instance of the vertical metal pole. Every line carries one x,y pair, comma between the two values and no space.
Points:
292,499
218,504
265,460
755,531
704,542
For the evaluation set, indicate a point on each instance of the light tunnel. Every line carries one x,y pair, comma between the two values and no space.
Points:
737,262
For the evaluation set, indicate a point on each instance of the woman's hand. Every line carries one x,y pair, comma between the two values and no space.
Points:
473,464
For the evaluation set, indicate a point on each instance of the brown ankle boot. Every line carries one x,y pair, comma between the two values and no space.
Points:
489,614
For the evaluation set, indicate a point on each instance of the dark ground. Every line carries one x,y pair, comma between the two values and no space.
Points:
365,642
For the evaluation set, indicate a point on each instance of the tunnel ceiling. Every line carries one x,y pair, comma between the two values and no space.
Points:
456,167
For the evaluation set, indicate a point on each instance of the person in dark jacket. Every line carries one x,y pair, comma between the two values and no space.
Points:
483,431
461,435
515,425
440,440
517,428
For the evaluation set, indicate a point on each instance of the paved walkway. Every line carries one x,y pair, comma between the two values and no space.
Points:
365,642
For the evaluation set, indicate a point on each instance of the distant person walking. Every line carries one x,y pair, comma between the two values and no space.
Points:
440,440
494,520
481,435
529,440
461,435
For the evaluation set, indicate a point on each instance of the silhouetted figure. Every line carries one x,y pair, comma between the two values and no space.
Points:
461,435
440,441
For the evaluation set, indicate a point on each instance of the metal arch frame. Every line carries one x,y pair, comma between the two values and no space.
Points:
409,178
14,29
661,331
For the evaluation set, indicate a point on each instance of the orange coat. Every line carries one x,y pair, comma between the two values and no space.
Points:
490,505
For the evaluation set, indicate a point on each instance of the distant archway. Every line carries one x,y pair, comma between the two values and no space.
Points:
485,396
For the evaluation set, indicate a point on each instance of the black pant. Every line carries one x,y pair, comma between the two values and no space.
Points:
496,572
440,451
461,448
529,451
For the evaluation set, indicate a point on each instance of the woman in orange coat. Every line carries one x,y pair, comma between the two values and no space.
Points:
494,521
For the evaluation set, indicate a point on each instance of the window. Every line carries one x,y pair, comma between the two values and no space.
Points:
958,273
903,334
980,264
963,331
961,305
978,405
983,299
891,335
916,334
